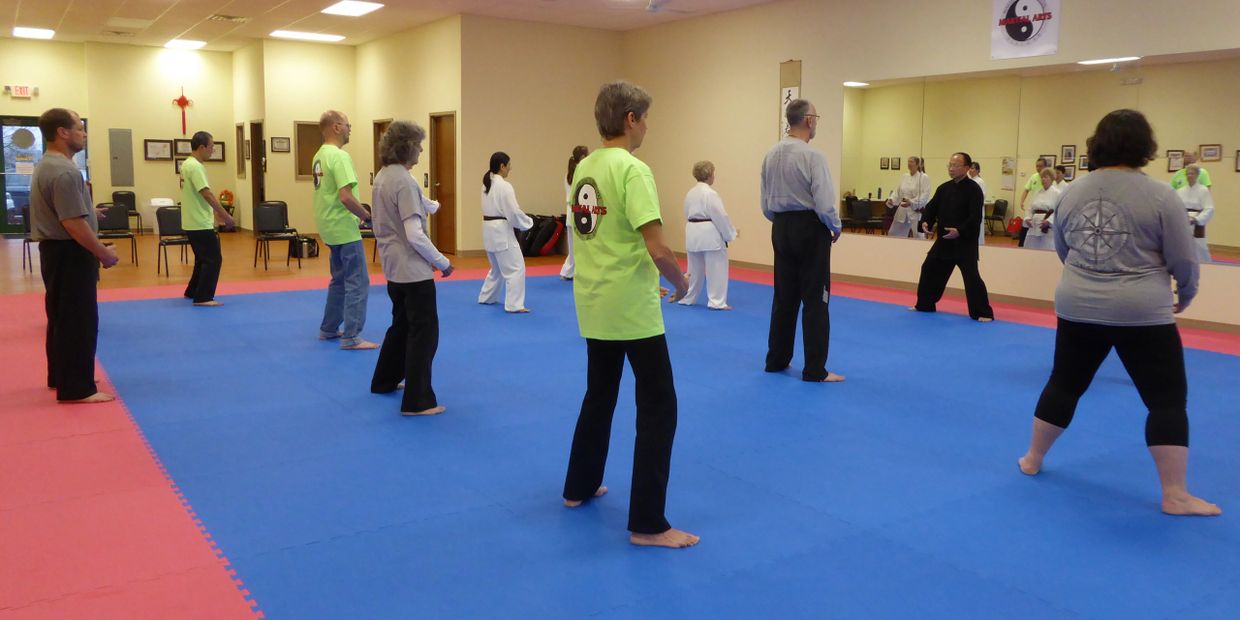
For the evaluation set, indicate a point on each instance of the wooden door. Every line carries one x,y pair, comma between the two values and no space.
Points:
443,181
258,163
380,127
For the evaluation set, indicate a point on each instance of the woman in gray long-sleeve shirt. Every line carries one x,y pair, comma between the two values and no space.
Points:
1122,238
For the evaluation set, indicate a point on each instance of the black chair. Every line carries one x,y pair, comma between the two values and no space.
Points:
850,211
170,233
27,257
115,225
368,232
127,200
271,224
860,216
998,214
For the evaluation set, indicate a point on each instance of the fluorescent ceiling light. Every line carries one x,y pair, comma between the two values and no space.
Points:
185,44
1106,61
856,84
33,33
352,8
306,36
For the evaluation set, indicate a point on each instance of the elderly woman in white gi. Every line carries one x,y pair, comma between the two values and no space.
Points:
500,215
1200,204
707,234
1041,213
908,200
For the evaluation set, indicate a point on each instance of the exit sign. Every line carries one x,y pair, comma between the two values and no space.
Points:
19,92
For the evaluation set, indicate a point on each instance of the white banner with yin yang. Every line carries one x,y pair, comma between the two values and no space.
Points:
1023,28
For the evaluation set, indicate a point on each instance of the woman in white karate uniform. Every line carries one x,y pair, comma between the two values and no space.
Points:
579,153
908,200
707,234
1200,204
500,215
1041,212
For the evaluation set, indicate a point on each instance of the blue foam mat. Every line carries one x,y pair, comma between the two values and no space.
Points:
892,495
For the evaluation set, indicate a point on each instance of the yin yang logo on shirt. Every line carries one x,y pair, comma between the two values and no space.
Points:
1024,19
588,208
318,173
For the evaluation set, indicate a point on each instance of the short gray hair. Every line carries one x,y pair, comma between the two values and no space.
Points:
398,143
797,112
615,101
1194,167
703,170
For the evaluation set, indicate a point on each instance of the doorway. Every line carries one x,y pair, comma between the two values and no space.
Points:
443,181
258,164
21,148
380,128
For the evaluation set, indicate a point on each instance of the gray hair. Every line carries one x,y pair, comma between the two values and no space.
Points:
399,141
329,118
614,103
1193,167
703,170
797,112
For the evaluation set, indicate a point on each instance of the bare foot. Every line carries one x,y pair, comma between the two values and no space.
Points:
673,538
400,386
723,308
573,503
332,337
1030,465
97,397
360,346
521,311
208,303
911,308
432,411
1188,505
984,319
832,378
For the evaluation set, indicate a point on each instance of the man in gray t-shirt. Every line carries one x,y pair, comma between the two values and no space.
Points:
64,224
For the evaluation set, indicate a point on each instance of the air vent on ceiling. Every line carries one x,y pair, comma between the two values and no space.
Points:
116,33
232,19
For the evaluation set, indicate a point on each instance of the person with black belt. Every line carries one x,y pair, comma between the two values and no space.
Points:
500,216
707,235
799,198
954,214
65,225
199,211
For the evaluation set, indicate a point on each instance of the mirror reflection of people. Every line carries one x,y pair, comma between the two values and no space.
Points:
401,217
1033,185
1200,205
500,215
908,200
975,173
1122,239
1041,213
954,214
1180,178
707,234
579,153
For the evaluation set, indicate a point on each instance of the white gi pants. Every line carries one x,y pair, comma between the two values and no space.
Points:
569,267
902,229
509,266
711,266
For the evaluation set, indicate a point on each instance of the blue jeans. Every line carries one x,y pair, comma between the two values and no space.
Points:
347,293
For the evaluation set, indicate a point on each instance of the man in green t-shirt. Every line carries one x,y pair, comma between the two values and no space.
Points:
1180,178
619,253
199,211
337,214
1034,185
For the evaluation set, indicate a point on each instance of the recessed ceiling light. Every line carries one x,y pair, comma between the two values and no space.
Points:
33,33
1104,61
352,8
307,36
856,84
185,44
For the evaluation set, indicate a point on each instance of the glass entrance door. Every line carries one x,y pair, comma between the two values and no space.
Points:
22,149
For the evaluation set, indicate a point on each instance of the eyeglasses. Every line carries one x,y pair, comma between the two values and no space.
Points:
813,116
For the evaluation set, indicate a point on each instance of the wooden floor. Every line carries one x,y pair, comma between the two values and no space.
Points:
238,250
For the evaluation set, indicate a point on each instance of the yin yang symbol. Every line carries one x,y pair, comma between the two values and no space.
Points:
1024,29
587,209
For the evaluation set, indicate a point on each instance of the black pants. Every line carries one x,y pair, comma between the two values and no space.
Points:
1154,359
656,427
409,345
1024,233
70,276
802,278
936,271
207,263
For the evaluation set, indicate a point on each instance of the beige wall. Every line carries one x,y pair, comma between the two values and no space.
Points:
249,104
527,89
57,69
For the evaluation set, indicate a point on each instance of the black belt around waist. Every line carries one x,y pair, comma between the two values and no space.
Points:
493,218
698,220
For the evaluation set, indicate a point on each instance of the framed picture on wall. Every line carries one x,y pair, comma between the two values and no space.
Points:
281,145
1211,152
1049,159
176,163
884,163
1069,172
217,153
183,148
895,162
157,150
1175,160
1082,163
1067,154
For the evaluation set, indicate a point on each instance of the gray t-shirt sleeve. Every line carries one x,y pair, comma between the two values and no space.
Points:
1179,250
67,200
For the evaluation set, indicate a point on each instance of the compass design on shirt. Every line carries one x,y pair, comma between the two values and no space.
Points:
588,209
1098,231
